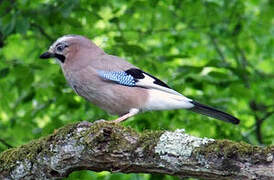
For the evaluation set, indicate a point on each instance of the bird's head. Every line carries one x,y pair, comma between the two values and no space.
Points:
70,47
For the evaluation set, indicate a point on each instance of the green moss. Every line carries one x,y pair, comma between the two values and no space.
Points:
30,150
238,151
115,137
109,134
62,132
229,149
24,152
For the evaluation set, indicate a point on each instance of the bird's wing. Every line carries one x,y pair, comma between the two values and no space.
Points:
169,99
136,77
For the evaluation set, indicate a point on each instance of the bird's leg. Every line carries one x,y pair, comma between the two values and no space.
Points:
131,113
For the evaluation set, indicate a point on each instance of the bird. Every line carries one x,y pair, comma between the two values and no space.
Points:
117,86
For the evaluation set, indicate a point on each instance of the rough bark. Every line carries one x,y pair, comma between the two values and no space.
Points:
106,146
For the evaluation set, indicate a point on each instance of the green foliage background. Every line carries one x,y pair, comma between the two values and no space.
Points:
219,52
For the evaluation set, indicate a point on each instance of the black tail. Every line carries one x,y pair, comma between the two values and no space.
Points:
209,111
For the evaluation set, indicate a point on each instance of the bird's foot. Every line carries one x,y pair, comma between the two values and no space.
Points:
131,113
105,121
118,120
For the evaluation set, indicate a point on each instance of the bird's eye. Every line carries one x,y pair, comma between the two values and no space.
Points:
60,48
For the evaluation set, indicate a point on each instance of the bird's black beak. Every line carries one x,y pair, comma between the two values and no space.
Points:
47,55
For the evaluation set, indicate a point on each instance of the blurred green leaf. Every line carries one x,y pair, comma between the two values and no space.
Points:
217,52
9,27
4,72
22,25
133,49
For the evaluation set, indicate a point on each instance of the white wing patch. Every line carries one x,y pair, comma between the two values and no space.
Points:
161,100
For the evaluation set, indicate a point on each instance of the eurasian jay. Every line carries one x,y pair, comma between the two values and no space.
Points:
117,86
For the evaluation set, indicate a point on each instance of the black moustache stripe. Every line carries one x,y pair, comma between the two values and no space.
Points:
60,57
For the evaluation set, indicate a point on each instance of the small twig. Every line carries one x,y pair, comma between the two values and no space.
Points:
259,122
247,133
258,107
5,143
217,48
267,115
258,129
42,31
1,40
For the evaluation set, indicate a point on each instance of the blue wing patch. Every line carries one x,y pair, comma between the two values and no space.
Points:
119,77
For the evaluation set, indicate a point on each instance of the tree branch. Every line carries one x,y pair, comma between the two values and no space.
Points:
106,146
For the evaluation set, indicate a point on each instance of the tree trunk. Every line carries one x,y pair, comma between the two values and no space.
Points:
107,146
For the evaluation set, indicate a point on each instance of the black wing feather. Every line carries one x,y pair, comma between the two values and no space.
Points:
138,74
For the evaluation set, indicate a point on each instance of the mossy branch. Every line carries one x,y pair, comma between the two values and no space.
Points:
106,146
